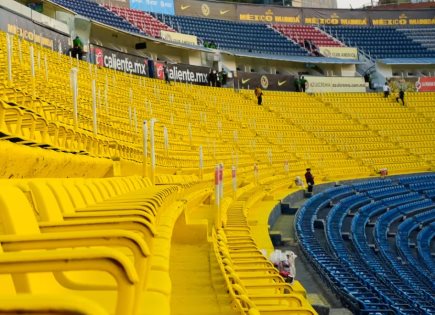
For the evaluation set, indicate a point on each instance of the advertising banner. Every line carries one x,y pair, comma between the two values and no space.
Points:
335,17
204,9
335,84
425,84
399,18
269,14
32,32
339,52
309,16
273,82
119,61
157,6
116,3
179,37
183,73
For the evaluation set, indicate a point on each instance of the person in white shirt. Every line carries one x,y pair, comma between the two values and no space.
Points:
386,90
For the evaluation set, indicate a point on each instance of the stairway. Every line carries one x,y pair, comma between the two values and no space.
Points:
192,289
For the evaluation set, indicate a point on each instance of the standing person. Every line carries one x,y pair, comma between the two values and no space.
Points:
297,84
166,72
259,94
213,78
77,51
224,77
386,90
209,78
303,83
309,178
401,97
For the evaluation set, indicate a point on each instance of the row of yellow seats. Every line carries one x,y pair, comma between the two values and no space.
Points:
25,127
254,284
82,214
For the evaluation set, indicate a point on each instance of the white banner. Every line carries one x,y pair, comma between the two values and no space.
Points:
179,37
339,52
335,84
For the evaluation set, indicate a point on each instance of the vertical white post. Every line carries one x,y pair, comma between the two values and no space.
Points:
221,180
217,201
234,179
32,63
20,52
9,50
46,67
190,133
201,162
106,89
130,119
32,70
145,148
165,140
74,88
135,119
150,107
153,151
39,60
94,107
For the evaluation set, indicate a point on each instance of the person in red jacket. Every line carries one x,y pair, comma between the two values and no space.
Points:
309,178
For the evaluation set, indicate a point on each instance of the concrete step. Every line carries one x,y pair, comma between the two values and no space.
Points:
339,311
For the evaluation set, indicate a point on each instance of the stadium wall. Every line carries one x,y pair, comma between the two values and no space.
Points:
310,16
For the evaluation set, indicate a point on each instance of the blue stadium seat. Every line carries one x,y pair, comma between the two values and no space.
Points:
381,42
360,258
98,13
235,36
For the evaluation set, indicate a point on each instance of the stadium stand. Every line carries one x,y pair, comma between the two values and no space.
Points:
379,42
420,35
125,237
301,33
142,20
257,38
368,260
424,239
96,12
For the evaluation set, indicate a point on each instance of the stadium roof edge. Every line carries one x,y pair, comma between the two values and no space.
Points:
407,61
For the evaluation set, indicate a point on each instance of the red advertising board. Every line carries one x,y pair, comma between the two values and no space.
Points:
159,74
425,84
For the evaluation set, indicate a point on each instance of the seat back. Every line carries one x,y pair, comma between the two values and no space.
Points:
46,202
16,212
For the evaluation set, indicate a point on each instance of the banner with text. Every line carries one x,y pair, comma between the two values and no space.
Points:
269,14
115,3
339,52
310,16
335,84
32,32
119,61
179,37
273,82
157,6
425,84
183,73
399,18
212,10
